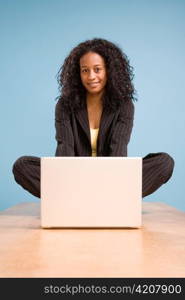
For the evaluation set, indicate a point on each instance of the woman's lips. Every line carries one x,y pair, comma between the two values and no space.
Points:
92,84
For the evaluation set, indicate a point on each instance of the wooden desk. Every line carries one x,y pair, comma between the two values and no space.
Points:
156,250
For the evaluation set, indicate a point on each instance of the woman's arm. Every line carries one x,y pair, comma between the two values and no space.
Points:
64,133
122,130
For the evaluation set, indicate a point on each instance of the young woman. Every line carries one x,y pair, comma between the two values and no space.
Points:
94,115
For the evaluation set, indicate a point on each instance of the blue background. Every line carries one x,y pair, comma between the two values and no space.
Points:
37,35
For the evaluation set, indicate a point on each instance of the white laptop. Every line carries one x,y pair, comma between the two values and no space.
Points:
91,192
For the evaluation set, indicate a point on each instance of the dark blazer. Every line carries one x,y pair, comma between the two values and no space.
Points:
73,132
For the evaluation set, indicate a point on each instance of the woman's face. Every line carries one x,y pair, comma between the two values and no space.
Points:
93,72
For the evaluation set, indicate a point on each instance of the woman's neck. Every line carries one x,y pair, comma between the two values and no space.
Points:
94,100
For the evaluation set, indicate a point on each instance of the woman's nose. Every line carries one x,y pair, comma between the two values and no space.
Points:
91,75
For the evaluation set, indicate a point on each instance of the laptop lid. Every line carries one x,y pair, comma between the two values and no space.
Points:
91,191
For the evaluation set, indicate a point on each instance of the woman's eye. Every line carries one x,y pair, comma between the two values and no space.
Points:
84,70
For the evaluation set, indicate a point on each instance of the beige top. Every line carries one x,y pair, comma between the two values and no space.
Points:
94,136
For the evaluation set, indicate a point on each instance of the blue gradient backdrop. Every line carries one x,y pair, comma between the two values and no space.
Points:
35,38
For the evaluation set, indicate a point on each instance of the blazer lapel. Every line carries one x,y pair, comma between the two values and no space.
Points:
105,122
82,117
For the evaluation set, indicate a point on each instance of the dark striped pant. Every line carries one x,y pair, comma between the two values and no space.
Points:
157,169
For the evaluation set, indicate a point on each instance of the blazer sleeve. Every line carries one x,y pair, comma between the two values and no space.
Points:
122,130
64,133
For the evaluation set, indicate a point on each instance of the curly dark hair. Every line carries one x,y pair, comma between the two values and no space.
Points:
119,85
